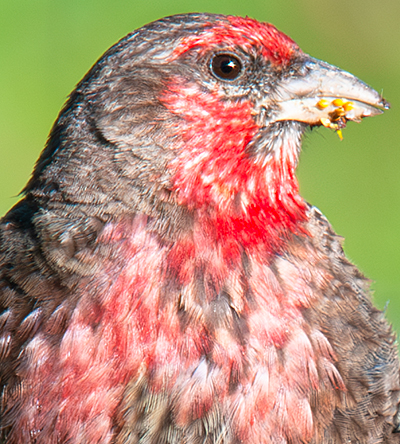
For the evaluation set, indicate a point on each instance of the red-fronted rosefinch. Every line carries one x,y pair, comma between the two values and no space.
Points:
162,281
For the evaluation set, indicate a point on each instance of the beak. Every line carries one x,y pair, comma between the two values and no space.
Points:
321,94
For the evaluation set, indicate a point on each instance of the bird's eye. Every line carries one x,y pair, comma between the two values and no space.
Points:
226,66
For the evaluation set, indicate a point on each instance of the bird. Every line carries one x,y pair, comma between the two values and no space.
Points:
161,278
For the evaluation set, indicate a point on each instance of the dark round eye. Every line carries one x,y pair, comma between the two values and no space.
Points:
226,66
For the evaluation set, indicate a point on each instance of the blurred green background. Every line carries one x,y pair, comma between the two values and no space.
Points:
46,46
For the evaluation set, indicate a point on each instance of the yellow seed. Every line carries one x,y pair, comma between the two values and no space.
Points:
323,104
339,133
326,122
348,106
338,102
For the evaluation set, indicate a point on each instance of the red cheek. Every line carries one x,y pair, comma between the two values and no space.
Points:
212,163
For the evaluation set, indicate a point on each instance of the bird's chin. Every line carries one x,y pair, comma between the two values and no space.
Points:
276,136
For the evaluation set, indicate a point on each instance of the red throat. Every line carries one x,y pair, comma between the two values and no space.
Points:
238,197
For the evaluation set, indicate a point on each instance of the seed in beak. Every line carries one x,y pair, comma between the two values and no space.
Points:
337,117
348,106
322,104
338,102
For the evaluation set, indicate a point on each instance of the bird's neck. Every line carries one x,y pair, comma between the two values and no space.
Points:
265,210
246,203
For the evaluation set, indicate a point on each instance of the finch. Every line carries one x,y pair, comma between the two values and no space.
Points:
162,281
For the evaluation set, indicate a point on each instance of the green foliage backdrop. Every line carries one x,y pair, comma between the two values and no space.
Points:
46,46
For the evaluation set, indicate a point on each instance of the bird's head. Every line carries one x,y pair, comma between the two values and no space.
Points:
197,117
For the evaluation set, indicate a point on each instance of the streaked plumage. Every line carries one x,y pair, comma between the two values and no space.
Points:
162,281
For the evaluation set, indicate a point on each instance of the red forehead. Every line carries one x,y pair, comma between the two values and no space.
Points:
246,33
